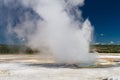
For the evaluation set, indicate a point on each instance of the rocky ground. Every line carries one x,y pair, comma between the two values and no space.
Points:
40,67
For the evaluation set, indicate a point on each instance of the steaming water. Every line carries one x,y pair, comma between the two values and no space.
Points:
61,31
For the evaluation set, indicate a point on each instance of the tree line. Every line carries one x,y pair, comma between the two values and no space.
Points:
17,49
106,48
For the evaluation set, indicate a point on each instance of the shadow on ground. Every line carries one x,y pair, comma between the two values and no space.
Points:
71,66
53,65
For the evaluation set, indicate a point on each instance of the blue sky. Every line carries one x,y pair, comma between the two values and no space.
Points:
103,14
105,17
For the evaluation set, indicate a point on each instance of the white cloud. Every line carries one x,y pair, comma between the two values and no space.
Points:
112,42
102,34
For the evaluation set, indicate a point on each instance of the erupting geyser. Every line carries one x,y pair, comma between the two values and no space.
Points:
61,31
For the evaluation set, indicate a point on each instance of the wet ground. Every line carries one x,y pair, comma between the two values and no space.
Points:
40,67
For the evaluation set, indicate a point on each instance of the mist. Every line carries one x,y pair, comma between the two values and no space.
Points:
61,31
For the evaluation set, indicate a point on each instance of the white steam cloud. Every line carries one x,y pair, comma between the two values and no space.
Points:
61,32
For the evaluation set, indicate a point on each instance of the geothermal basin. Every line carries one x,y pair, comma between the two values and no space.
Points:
43,67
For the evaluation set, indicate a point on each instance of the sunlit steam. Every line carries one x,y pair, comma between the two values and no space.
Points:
61,30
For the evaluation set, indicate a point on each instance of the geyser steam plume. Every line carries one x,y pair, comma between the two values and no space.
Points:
61,31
